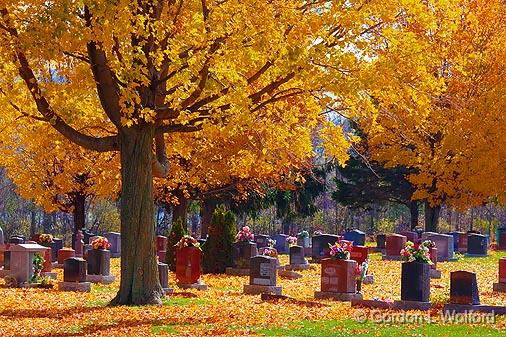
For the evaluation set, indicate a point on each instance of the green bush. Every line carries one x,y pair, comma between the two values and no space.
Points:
176,233
218,247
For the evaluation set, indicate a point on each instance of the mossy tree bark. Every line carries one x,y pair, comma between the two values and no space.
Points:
139,271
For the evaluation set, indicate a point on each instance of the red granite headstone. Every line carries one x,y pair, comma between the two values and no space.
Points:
359,254
463,242
188,265
338,276
161,243
394,244
502,270
65,253
47,261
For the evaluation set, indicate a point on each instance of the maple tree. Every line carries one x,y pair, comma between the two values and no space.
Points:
182,66
54,173
446,125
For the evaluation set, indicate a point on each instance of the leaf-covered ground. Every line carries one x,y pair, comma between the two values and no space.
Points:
225,311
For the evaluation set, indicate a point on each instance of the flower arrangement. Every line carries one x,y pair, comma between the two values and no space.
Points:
421,254
244,234
269,251
45,238
291,240
188,241
340,250
100,243
271,243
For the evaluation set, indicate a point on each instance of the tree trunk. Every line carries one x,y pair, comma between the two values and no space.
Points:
139,271
208,206
431,217
180,210
33,222
414,213
79,213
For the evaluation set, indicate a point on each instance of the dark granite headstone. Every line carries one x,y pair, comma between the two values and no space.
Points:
415,282
262,270
381,241
16,240
455,235
464,288
297,255
281,244
501,238
477,244
320,248
358,237
99,262
74,270
242,251
410,236
114,239
55,247
262,240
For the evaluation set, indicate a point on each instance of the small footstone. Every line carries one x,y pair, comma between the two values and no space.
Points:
466,308
237,271
74,286
411,305
372,304
434,273
51,275
253,289
344,297
368,279
500,287
289,274
104,279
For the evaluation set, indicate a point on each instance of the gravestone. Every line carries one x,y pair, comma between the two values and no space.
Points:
19,269
188,270
415,282
381,241
161,247
464,288
297,256
444,245
262,278
425,235
501,238
242,252
462,242
99,264
394,244
434,272
411,236
477,245
114,239
338,280
16,240
281,244
501,285
320,246
74,275
55,247
356,236
163,274
262,240
359,254
64,254
455,236
304,241
297,262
